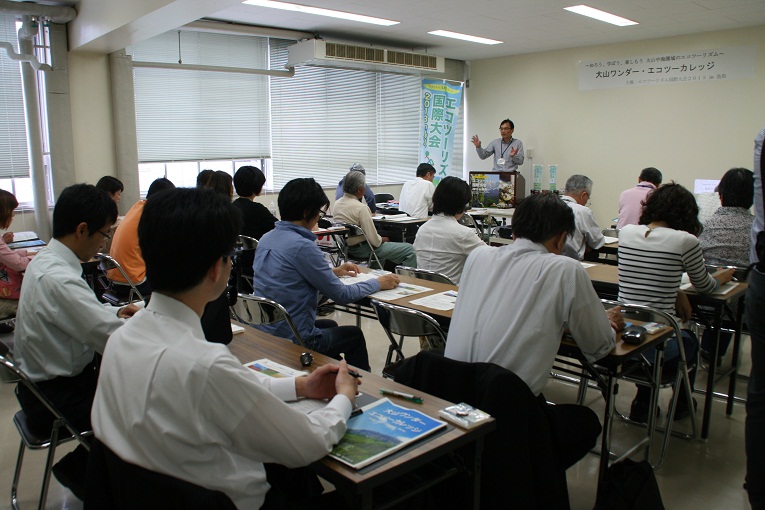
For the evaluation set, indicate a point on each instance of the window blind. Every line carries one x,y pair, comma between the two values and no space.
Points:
14,156
184,115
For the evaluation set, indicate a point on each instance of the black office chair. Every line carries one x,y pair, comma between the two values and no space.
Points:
62,432
383,197
115,484
241,270
518,466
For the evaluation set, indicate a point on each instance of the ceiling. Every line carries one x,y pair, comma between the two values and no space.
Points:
524,26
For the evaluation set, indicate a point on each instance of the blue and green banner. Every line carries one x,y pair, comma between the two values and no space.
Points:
440,111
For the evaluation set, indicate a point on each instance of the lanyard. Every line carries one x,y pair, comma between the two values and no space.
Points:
502,152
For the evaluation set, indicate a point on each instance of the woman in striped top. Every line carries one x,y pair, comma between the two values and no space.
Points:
652,259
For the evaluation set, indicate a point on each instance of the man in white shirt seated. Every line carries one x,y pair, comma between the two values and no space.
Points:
587,235
552,294
60,325
173,403
350,210
417,195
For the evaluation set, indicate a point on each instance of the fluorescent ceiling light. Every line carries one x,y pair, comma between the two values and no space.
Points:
464,37
321,12
600,15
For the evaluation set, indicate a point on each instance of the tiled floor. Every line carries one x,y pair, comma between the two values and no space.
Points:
695,474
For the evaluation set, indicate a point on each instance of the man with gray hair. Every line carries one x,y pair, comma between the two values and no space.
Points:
349,209
369,195
587,236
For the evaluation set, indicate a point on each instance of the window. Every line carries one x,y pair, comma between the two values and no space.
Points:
14,155
184,173
315,124
186,115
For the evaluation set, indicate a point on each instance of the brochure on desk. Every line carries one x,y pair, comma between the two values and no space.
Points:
382,429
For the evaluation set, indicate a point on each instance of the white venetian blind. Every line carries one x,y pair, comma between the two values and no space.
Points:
185,115
14,158
398,110
322,121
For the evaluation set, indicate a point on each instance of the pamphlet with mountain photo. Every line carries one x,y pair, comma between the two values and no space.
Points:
381,429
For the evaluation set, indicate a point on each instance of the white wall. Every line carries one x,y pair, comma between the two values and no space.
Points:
90,94
687,131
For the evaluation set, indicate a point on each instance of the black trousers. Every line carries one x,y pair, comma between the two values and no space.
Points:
72,396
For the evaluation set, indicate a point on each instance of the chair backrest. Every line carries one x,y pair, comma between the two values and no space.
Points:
611,232
519,469
398,320
355,230
383,197
13,369
468,221
114,484
106,263
256,310
648,314
246,243
423,274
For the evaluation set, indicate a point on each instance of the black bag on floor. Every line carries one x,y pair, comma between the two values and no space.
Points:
629,485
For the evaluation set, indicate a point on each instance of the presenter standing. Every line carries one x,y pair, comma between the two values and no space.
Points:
507,151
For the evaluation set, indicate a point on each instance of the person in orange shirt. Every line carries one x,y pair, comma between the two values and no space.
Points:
126,251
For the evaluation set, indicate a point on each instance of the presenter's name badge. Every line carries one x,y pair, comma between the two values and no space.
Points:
501,161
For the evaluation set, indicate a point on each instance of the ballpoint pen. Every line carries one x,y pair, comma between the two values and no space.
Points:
354,373
406,396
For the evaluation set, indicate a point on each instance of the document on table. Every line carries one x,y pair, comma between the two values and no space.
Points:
273,369
586,264
441,301
721,290
362,277
610,240
394,217
403,290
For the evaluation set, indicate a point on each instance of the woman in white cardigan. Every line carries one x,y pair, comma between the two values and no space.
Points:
442,244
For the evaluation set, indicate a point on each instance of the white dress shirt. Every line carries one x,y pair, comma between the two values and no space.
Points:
442,245
171,402
417,197
550,293
59,323
587,231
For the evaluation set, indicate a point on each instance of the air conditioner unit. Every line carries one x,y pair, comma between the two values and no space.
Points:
319,53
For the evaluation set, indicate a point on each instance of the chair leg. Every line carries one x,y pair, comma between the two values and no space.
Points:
49,465
16,477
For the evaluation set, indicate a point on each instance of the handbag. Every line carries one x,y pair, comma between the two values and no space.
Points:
629,485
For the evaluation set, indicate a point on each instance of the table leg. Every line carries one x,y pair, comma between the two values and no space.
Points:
477,462
735,358
605,437
711,374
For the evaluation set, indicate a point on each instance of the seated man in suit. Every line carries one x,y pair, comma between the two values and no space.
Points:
417,195
349,210
173,403
60,325
553,293
291,270
586,235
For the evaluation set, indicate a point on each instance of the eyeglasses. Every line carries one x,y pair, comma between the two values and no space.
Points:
106,236
322,213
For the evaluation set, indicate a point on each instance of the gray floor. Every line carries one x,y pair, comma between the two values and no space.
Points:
695,474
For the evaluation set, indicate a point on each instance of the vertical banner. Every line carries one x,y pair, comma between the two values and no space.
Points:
440,111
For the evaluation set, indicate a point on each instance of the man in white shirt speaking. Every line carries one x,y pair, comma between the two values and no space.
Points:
417,195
